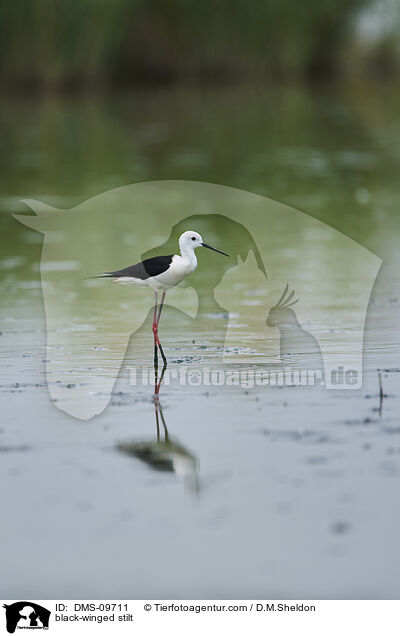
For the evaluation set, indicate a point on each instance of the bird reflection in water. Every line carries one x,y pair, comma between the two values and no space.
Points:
164,453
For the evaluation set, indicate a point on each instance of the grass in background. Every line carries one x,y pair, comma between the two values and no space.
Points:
77,43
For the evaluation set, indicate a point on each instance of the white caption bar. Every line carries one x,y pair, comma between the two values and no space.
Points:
258,617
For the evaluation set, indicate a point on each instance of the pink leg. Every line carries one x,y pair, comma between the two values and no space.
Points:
160,307
155,342
155,324
156,320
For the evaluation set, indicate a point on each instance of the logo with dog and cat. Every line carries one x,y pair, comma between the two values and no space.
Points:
293,293
26,615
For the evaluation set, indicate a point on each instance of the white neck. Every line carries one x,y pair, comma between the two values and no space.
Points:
187,253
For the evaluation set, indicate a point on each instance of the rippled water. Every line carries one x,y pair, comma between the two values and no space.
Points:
228,491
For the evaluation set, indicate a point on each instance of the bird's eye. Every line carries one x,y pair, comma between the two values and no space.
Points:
193,238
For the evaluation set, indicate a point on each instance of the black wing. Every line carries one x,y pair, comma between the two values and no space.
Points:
143,270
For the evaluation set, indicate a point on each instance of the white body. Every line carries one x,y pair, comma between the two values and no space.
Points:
181,266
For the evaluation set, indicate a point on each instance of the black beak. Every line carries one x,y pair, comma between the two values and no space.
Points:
213,248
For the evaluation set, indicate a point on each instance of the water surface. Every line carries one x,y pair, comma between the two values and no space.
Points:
266,492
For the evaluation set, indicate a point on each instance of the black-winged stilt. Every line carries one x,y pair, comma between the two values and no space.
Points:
161,273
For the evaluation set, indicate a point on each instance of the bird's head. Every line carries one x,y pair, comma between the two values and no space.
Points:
191,240
281,315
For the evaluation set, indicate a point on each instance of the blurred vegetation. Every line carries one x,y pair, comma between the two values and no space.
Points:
70,44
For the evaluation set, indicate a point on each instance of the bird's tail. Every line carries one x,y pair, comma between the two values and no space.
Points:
103,275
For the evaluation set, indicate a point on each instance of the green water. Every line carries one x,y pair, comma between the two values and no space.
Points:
330,152
311,149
